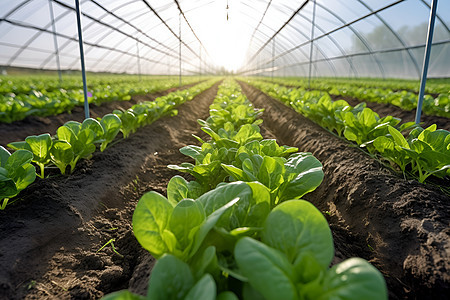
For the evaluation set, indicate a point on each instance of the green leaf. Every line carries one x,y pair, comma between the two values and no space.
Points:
436,139
4,156
296,227
271,172
185,220
18,159
227,296
7,185
171,279
123,295
23,145
74,126
24,176
86,139
64,133
111,126
62,155
193,151
150,219
248,133
211,220
236,173
40,146
303,175
220,196
399,139
355,279
267,269
95,126
205,289
201,263
177,190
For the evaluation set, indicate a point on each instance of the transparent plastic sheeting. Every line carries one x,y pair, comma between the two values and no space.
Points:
352,38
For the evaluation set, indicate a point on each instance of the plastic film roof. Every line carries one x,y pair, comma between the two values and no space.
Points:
352,38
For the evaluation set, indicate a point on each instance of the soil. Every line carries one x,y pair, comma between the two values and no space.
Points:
34,125
400,226
52,235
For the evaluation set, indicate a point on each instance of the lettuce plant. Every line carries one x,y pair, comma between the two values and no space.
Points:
426,151
40,146
80,139
111,125
286,179
291,260
16,173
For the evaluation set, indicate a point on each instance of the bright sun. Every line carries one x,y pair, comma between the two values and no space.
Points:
224,39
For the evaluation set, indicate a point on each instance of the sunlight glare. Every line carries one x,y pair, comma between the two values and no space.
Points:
224,39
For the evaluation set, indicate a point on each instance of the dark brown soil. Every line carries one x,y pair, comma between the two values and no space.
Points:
51,236
384,109
33,125
400,226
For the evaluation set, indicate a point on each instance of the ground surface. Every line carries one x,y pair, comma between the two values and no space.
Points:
50,238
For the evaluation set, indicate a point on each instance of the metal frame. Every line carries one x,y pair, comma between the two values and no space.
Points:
426,59
258,41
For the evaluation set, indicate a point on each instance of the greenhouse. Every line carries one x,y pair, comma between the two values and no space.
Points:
227,149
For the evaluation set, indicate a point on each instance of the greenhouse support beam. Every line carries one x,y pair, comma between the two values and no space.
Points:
273,55
313,23
426,59
138,60
259,23
349,55
168,27
179,45
55,41
83,69
345,25
278,31
192,30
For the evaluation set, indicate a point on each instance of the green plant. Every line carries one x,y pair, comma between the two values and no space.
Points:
40,146
111,125
16,173
426,151
80,139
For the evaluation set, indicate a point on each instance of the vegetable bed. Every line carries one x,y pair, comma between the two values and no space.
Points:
71,237
34,125
51,240
400,226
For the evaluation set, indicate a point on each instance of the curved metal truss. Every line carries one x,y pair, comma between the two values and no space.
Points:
352,38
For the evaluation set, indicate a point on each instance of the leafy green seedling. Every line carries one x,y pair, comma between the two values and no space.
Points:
16,173
111,125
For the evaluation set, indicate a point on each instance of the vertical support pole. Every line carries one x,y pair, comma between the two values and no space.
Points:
168,67
83,69
179,50
426,59
273,56
138,60
55,40
312,43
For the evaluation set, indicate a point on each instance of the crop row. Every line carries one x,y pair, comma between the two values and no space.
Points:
424,152
75,141
406,100
239,229
40,100
433,86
